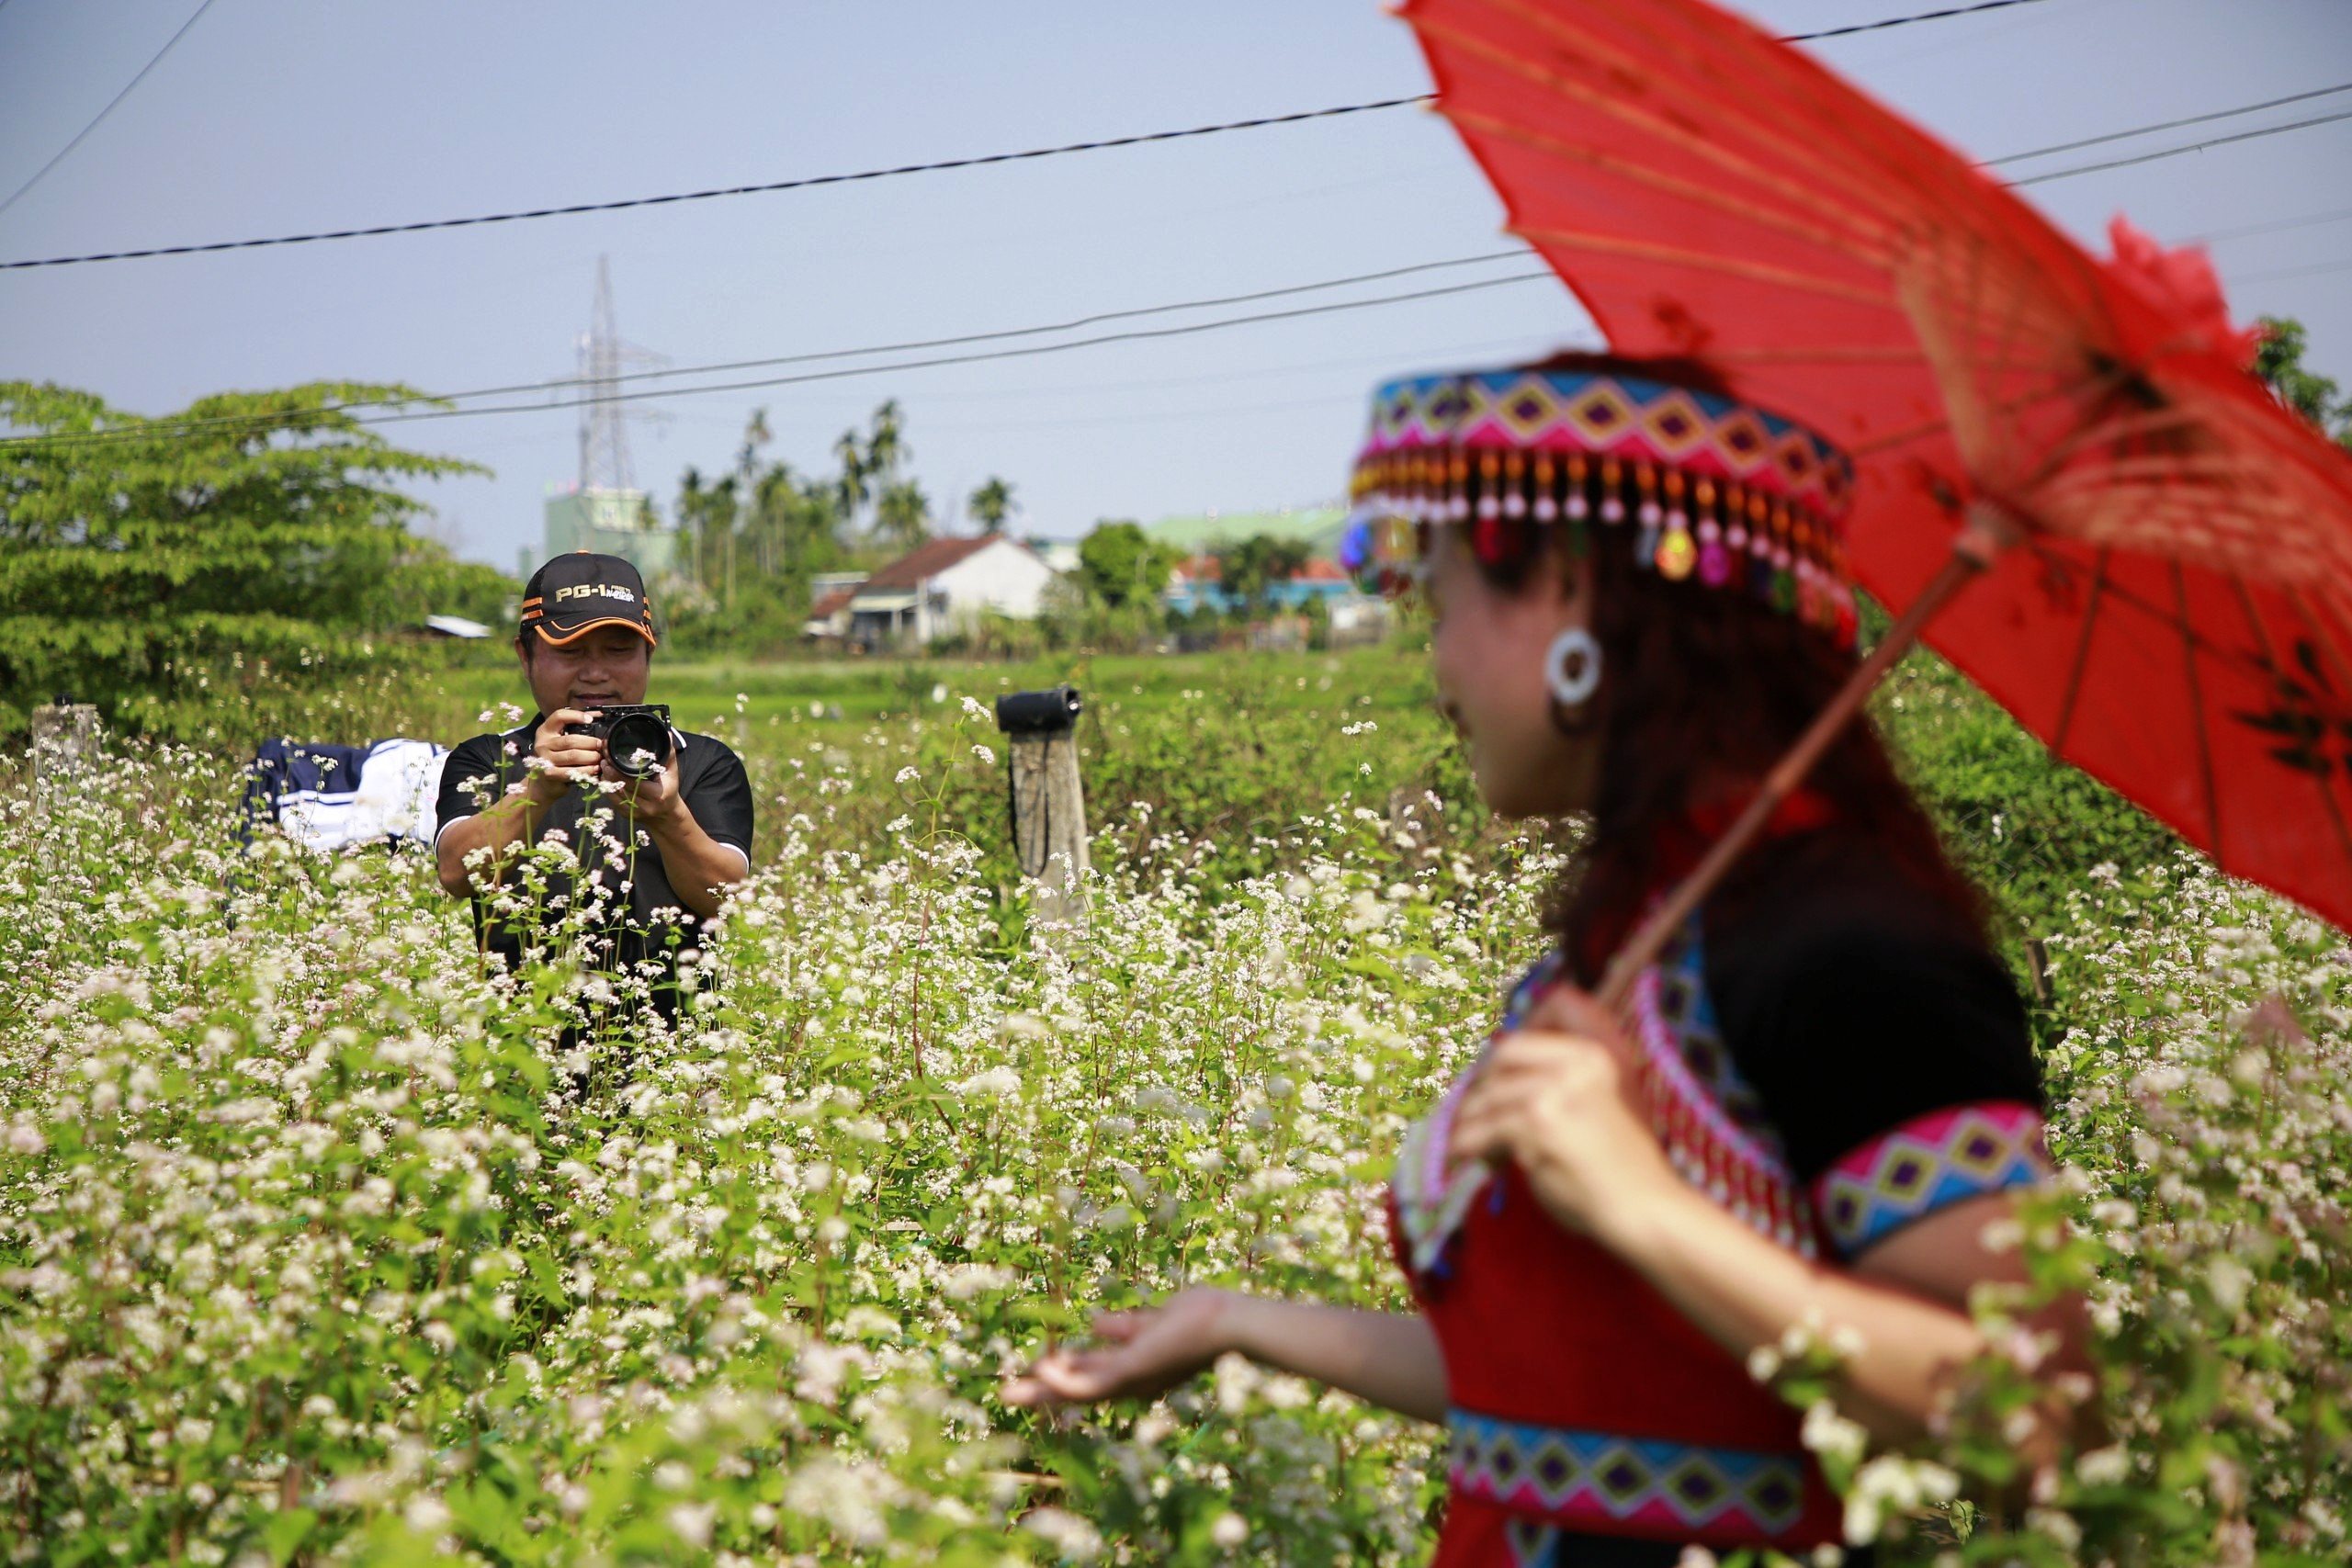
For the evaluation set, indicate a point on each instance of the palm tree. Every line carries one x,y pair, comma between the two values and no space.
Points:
902,515
886,448
992,504
854,488
747,461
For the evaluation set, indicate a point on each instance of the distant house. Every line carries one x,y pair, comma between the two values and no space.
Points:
943,586
829,594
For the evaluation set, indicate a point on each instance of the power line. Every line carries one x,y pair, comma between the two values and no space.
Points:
2293,271
1074,324
63,152
1905,21
805,183
810,182
2176,152
1140,334
2174,124
2248,230
868,174
179,427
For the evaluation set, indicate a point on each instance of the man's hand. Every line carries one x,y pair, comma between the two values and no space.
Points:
653,800
569,758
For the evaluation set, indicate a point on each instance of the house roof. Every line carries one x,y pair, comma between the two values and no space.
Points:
1205,568
832,604
928,561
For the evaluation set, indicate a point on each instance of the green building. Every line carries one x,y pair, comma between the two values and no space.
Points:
609,521
1317,527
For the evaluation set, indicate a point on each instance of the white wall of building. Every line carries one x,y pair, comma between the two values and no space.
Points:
1005,577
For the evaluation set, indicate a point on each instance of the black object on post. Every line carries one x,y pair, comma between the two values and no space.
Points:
1051,712
1048,804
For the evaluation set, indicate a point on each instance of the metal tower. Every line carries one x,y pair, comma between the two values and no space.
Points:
603,423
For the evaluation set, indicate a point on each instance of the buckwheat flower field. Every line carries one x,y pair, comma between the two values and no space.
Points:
306,1255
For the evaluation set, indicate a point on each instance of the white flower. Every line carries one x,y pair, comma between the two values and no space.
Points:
2108,1466
1074,1538
2229,1280
909,774
426,1513
996,1083
693,1521
1832,1435
1890,1483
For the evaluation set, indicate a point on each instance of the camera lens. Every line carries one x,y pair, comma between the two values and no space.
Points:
637,744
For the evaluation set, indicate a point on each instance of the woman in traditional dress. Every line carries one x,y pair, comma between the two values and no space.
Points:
1824,1092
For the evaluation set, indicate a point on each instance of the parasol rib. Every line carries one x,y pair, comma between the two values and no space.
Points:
2082,658
1716,102
2244,661
2324,783
1910,433
1675,255
1857,353
2197,716
1609,100
1689,190
2323,636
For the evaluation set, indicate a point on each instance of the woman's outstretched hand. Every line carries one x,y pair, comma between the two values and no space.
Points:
1557,1098
1140,1354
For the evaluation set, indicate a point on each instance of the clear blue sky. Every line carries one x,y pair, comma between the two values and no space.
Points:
275,116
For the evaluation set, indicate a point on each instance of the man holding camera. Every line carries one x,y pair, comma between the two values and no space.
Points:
660,822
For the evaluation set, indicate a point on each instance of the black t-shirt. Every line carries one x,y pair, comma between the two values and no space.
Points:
1853,1000
650,924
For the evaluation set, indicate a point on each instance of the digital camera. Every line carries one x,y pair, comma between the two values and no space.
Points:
636,736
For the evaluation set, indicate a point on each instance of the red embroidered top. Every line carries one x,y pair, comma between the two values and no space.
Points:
1847,1063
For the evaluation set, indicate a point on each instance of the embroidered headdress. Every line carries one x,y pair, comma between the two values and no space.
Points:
1693,484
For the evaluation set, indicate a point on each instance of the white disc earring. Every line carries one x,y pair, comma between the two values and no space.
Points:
1572,667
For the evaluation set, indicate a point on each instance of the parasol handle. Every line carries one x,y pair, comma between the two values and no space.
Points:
1989,529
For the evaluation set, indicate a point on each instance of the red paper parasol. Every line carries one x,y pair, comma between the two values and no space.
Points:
2165,553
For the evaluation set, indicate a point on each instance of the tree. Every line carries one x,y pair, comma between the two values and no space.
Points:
1122,565
886,447
853,488
707,517
427,580
2278,361
870,465
902,516
139,556
1249,571
992,504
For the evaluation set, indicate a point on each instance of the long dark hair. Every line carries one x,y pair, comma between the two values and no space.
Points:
1699,683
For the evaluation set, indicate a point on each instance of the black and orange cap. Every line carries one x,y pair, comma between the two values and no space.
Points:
573,596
